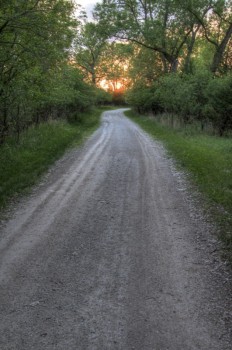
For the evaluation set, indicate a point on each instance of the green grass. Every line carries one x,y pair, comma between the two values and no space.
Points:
21,165
208,160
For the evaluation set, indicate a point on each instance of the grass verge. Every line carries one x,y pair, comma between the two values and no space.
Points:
22,164
208,160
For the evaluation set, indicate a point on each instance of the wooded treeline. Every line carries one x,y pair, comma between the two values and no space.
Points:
162,56
38,78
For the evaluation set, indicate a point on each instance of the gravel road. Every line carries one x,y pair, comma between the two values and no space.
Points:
110,251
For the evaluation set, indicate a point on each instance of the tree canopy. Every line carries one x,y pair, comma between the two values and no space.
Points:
38,79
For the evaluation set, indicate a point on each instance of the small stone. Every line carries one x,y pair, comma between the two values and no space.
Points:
43,335
34,303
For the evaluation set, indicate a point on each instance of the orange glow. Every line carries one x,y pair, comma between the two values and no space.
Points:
112,85
118,85
104,84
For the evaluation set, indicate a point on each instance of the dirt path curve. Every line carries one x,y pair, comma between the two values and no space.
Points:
109,253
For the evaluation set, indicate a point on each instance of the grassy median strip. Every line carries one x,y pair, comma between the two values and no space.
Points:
208,160
22,164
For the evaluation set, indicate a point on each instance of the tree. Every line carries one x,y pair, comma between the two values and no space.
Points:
89,46
114,65
162,26
216,22
35,37
146,65
219,93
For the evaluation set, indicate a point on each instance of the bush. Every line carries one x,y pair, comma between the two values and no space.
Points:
102,97
219,93
36,96
144,99
199,97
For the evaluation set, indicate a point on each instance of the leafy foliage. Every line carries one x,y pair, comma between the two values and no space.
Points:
37,80
199,97
219,93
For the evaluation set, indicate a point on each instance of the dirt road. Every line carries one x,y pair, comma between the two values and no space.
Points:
109,252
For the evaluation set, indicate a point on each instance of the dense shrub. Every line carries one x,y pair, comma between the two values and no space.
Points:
36,96
102,97
144,99
201,97
219,93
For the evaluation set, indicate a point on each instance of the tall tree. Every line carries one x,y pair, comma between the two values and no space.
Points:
162,26
146,66
115,64
35,37
216,22
89,46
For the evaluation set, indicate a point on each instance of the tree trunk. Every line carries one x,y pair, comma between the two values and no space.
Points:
174,65
93,79
93,74
165,63
187,64
217,59
4,126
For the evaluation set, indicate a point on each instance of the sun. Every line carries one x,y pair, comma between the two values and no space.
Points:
106,84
